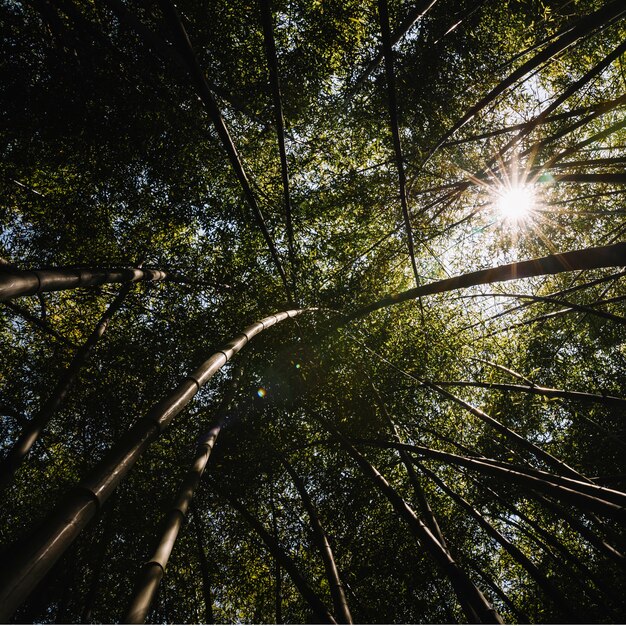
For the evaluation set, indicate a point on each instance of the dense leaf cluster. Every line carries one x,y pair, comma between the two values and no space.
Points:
110,157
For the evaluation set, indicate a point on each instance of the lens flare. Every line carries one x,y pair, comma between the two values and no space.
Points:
515,204
261,392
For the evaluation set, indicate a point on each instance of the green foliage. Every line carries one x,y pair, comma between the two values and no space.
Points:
109,158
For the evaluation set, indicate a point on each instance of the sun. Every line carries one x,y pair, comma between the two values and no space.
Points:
515,204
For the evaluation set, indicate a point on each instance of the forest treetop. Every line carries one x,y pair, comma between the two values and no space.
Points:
319,154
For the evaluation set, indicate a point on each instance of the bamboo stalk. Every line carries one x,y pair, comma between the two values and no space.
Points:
509,433
584,531
546,585
32,431
204,92
383,15
417,13
153,570
547,392
272,62
469,595
39,323
589,258
340,604
521,616
427,512
209,617
584,495
14,283
322,614
30,559
583,28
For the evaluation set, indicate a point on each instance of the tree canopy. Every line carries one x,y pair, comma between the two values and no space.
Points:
423,203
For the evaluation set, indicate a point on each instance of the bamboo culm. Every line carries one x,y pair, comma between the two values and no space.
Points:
340,603
322,614
14,283
272,63
153,570
589,258
469,595
32,431
383,15
587,496
549,589
203,90
30,559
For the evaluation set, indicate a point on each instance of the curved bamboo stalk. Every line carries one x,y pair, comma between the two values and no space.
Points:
546,585
589,258
548,392
153,570
14,283
470,597
587,496
30,559
204,92
583,28
32,431
272,62
313,600
340,604
510,433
